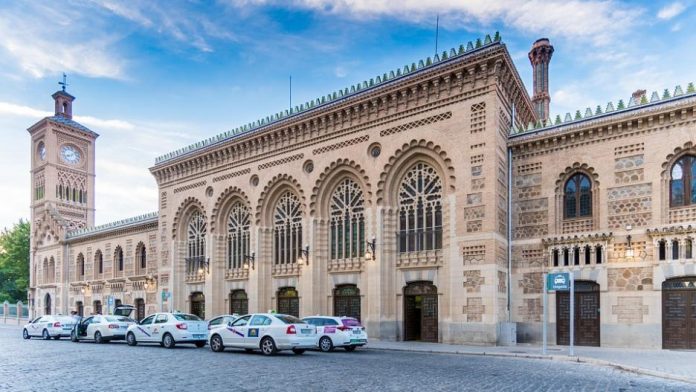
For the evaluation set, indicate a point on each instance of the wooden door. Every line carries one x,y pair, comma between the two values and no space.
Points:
679,314
421,312
288,301
587,317
429,318
347,301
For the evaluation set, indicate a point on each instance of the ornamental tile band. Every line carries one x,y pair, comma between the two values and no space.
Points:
339,95
145,218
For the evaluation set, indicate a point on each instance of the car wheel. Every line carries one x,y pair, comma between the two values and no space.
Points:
130,339
45,335
73,337
98,338
268,346
25,334
325,344
298,351
168,341
349,348
216,344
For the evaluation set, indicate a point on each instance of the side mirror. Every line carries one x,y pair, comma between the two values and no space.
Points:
229,323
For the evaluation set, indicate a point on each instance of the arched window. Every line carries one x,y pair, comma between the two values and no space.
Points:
420,210
52,269
238,222
118,259
141,258
682,184
576,255
662,250
598,254
689,248
675,250
195,242
347,234
555,257
44,271
287,229
577,197
98,262
588,254
566,256
80,267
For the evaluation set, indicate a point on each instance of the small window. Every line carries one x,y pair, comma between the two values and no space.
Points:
576,255
566,257
662,250
240,322
588,254
689,249
598,252
555,257
147,320
675,250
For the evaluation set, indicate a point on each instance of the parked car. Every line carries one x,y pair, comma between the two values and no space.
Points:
102,329
222,321
169,329
267,332
346,332
47,327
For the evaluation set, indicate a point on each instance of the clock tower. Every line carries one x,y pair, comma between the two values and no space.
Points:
62,167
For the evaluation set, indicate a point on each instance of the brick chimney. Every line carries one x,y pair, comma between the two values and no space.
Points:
540,57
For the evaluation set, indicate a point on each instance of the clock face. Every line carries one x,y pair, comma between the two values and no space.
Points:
70,154
42,151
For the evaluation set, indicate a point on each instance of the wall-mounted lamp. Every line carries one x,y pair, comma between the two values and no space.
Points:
149,281
629,249
249,261
203,266
371,246
82,290
304,255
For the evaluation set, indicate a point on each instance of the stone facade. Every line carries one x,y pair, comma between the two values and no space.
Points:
283,211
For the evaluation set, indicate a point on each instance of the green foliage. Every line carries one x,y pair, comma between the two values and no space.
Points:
14,263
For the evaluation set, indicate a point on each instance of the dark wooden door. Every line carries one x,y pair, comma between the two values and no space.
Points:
587,320
139,309
420,312
198,304
679,314
239,304
347,301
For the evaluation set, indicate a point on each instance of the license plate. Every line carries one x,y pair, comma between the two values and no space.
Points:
198,336
123,327
306,331
357,331
67,328
354,341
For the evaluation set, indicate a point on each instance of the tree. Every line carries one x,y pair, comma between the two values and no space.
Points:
14,263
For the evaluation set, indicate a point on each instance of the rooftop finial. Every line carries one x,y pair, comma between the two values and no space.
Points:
64,83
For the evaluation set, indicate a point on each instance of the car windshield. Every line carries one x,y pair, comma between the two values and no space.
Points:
186,317
350,322
123,319
287,319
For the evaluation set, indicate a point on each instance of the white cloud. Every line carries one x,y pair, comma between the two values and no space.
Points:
596,20
101,123
340,72
670,11
11,109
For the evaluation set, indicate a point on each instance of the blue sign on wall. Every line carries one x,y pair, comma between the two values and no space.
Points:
558,281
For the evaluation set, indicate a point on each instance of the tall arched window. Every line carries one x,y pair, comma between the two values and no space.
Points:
682,184
118,260
80,267
347,234
141,258
98,263
577,197
420,210
238,222
195,242
287,229
52,270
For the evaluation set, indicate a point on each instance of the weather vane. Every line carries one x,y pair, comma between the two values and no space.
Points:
64,83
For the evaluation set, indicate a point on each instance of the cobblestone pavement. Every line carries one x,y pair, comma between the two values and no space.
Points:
37,365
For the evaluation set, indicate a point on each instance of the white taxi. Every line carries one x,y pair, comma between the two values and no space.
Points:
346,332
49,327
268,332
101,329
222,321
169,329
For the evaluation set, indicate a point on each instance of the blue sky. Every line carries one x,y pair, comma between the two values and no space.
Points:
151,77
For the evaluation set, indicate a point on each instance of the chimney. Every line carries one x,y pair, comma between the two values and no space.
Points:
540,57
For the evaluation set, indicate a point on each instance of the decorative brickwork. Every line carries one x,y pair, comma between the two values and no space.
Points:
530,311
630,310
474,226
531,217
627,163
629,205
416,124
683,214
476,159
474,255
474,198
630,191
190,186
577,225
534,167
473,281
478,117
476,170
629,176
502,282
342,144
527,180
474,310
281,161
477,184
531,283
474,212
630,279
231,175
629,149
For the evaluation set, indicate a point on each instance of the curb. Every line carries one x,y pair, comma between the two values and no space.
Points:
588,360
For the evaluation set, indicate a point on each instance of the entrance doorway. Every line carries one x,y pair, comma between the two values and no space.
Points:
679,313
139,309
586,315
239,303
347,301
80,308
420,312
288,301
198,304
97,307
47,304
